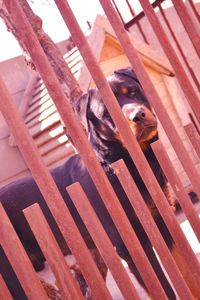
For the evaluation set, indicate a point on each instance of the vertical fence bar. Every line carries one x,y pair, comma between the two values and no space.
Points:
194,10
47,242
177,186
20,262
130,8
194,137
185,84
49,189
102,241
142,32
46,183
136,154
4,292
188,24
151,229
129,141
150,181
117,9
138,67
152,96
180,49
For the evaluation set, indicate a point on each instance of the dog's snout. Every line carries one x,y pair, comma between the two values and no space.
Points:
139,116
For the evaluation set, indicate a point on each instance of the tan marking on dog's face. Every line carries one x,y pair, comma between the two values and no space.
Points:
143,142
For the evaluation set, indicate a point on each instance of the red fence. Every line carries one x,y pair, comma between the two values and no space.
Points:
65,281
137,21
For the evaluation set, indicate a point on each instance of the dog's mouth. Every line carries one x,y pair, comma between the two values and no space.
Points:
143,124
144,133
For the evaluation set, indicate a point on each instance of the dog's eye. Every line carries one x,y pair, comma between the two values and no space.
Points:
124,90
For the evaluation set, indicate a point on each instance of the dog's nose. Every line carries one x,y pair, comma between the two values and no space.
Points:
139,115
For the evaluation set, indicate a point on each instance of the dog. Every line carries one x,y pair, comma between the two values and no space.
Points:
105,140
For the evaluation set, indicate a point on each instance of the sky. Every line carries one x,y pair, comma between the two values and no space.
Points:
53,24
84,10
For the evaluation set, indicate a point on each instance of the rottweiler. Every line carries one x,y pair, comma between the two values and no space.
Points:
105,140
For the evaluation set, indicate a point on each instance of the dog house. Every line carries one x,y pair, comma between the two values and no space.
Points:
43,119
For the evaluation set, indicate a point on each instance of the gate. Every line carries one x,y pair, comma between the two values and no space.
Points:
66,283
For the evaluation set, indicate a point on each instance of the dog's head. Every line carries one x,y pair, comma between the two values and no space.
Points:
96,120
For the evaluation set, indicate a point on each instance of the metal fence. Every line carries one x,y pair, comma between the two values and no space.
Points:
174,43
66,283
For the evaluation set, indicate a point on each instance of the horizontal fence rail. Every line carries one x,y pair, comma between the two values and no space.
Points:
181,248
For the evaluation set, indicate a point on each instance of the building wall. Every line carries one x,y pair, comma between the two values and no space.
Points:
16,74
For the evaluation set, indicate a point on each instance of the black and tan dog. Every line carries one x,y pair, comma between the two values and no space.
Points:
104,137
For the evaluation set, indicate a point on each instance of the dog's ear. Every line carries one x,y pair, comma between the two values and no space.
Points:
127,72
81,108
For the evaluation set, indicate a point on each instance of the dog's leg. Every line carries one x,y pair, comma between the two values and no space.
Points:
38,261
52,292
152,259
80,279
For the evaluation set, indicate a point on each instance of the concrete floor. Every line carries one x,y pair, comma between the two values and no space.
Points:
116,295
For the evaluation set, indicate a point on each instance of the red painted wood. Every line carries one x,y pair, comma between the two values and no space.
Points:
185,84
194,10
78,136
180,47
193,136
66,113
103,243
4,292
188,24
128,139
61,214
151,229
47,242
155,101
20,263
50,192
94,169
140,16
177,186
